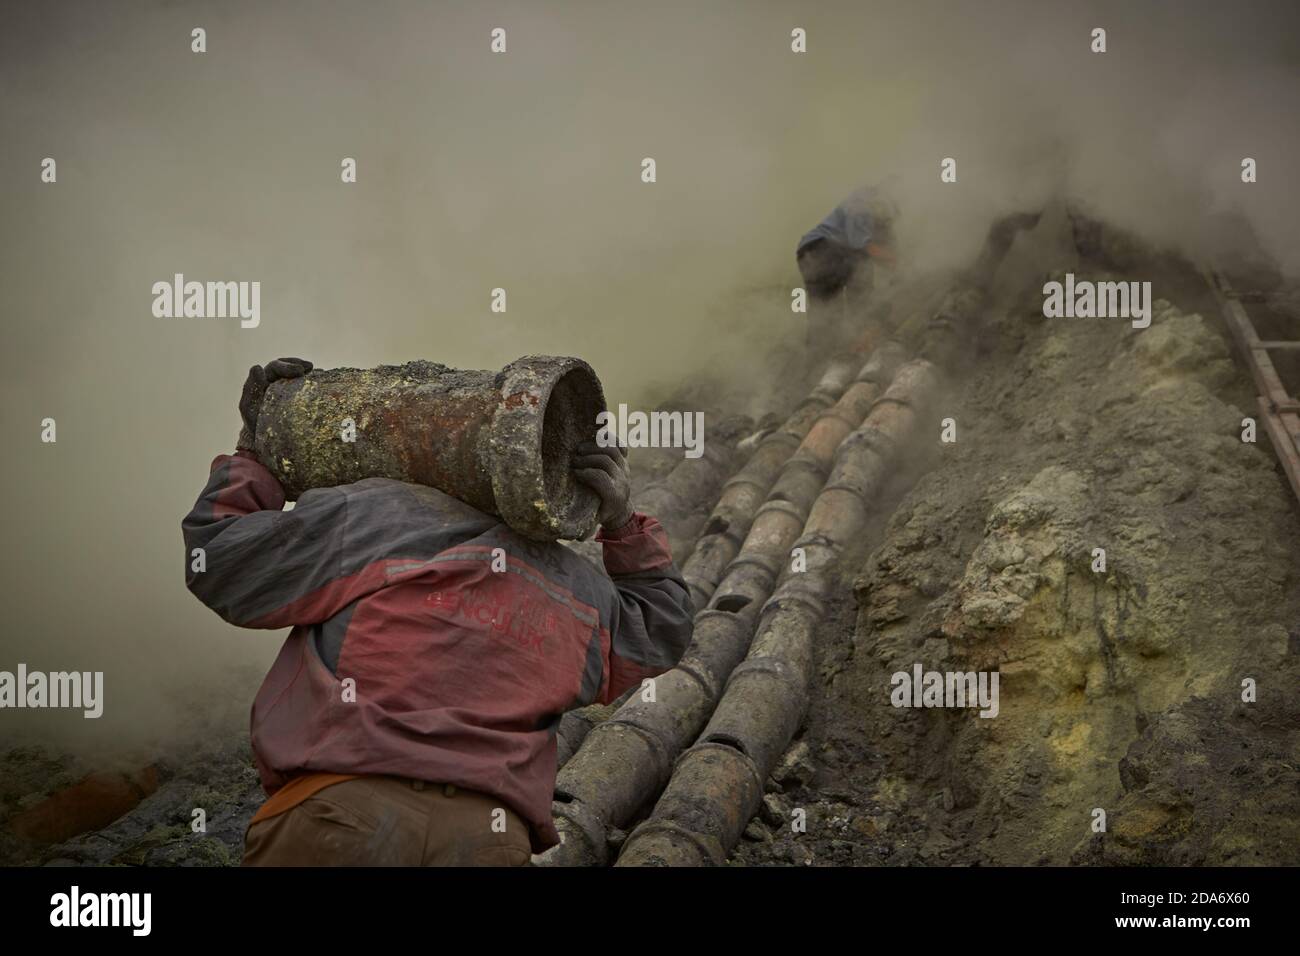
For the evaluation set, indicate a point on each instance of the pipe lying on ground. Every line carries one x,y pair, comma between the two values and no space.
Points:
676,499
717,785
624,762
729,523
680,490
575,725
766,549
502,442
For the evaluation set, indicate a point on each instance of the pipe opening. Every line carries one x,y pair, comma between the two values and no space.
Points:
717,525
570,418
732,603
727,740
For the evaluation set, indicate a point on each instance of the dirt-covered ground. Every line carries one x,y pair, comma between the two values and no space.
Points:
196,805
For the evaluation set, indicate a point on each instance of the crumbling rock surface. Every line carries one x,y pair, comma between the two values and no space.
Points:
1212,781
1120,689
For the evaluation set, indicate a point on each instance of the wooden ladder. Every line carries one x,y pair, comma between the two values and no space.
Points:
1279,410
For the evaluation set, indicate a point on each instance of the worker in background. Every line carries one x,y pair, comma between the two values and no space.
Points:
842,259
410,718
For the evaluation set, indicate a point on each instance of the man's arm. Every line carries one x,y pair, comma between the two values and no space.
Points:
253,563
259,566
654,619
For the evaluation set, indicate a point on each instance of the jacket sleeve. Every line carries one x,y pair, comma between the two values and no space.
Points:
653,622
261,566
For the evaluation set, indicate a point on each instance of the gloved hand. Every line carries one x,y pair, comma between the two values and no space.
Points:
604,471
250,400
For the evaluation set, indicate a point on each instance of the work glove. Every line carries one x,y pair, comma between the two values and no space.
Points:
250,400
604,471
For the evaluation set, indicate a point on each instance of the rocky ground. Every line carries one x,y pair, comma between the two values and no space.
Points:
195,808
1121,690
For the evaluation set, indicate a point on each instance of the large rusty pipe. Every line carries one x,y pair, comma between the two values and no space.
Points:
502,442
729,522
717,785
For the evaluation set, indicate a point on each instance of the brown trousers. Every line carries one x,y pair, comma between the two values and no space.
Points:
390,821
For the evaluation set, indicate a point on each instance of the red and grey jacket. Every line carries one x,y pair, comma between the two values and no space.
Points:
429,640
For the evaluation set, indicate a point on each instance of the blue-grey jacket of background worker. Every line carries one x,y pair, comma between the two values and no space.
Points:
830,252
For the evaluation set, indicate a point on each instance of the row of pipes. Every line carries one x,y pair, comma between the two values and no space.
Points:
707,739
717,785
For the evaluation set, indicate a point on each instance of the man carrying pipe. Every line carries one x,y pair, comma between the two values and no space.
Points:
838,259
410,717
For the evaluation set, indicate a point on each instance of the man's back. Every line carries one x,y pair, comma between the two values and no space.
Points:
429,640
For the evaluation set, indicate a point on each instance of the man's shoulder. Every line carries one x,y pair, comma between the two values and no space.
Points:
393,500
392,507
